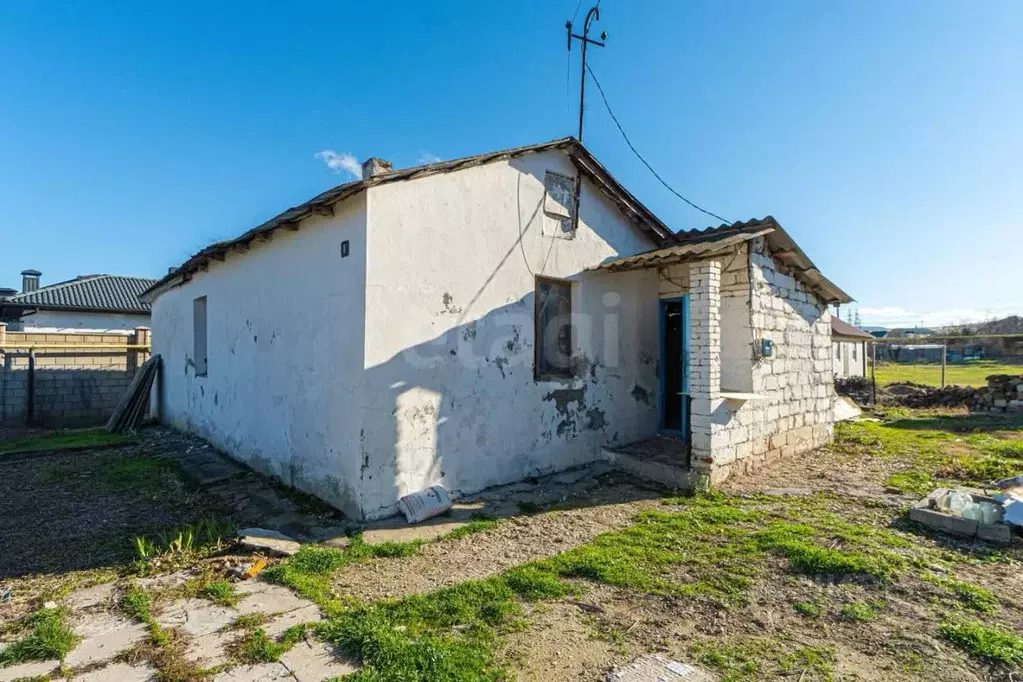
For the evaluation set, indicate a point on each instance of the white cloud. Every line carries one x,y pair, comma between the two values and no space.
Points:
428,157
343,163
894,316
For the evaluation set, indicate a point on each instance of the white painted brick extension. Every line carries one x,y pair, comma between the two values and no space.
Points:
735,302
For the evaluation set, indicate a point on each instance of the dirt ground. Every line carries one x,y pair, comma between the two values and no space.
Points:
96,501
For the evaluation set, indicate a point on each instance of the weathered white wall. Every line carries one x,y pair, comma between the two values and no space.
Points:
848,357
60,321
450,395
285,324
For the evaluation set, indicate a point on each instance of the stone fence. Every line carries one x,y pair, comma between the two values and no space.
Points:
66,379
1003,393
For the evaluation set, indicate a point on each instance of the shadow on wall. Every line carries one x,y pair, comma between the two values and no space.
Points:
463,408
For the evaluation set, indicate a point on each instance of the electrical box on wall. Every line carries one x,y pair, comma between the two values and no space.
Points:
766,348
344,249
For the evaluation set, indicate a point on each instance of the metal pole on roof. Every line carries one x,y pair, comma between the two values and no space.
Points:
592,15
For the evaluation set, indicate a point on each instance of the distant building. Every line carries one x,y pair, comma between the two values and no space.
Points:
90,303
849,347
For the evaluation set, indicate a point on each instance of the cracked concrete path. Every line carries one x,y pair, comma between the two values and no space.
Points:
209,631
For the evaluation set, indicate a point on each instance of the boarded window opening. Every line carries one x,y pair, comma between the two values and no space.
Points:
553,318
559,206
199,335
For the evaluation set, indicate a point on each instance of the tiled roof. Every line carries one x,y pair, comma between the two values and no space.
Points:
99,293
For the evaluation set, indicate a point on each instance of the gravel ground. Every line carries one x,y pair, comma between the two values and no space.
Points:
517,540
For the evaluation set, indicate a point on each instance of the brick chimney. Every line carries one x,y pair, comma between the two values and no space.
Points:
30,280
374,166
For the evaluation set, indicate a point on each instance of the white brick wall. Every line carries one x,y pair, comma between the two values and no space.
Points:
732,436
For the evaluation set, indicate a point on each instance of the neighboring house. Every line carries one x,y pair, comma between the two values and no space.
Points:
909,333
90,303
462,323
850,345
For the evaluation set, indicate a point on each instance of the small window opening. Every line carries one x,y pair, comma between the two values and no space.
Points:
199,336
553,319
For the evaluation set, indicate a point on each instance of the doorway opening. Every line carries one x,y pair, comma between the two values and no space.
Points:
674,375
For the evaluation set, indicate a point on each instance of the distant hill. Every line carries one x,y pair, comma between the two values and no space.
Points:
1007,325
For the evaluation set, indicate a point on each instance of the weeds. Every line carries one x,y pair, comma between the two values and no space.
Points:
985,642
479,523
62,440
971,596
258,647
222,592
204,535
138,604
49,638
859,612
808,609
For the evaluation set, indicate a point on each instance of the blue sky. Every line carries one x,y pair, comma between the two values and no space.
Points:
885,136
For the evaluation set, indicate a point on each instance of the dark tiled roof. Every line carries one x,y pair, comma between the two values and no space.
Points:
323,203
842,328
98,293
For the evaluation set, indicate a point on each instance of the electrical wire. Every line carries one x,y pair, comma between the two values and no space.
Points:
640,156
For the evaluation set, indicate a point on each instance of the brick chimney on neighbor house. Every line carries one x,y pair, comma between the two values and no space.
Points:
30,280
374,166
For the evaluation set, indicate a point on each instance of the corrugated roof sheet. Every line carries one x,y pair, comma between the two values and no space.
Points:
106,293
702,244
842,328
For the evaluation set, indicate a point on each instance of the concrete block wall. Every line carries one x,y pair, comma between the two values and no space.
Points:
796,413
72,387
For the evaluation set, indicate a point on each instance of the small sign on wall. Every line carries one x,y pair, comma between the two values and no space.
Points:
344,249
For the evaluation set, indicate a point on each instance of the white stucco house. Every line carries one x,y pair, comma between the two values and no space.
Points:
477,321
86,304
850,349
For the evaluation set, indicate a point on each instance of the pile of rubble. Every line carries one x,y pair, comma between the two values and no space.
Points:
1003,393
908,394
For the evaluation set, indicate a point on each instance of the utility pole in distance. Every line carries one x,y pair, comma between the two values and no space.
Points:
592,15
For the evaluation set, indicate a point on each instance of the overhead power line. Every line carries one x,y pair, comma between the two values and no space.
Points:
639,156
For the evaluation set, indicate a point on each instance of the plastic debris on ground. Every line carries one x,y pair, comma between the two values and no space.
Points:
425,504
255,569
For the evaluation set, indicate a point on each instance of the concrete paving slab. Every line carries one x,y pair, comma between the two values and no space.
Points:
118,672
277,627
314,661
264,672
657,668
271,599
268,541
91,597
211,650
29,670
396,529
197,617
103,637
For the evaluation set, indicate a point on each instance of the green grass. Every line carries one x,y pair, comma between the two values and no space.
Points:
983,641
190,540
968,373
61,440
308,571
808,609
222,592
48,637
258,647
745,659
859,612
478,524
971,596
930,450
138,604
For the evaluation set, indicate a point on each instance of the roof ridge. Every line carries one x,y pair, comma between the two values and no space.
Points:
78,280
